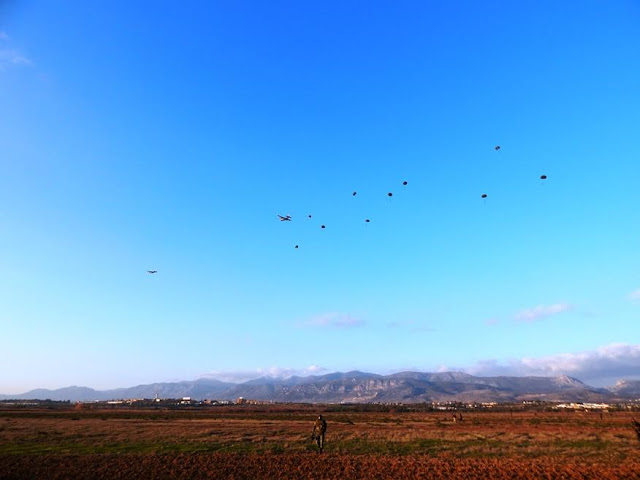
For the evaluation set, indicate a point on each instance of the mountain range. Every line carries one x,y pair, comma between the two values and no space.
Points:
361,387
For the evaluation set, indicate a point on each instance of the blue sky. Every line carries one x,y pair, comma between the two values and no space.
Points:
164,136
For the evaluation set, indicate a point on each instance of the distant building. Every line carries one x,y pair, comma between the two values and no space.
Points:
585,406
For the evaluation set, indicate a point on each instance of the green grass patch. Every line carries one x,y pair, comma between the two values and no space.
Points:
424,446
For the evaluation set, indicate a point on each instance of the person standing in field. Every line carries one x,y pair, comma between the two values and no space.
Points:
636,427
319,429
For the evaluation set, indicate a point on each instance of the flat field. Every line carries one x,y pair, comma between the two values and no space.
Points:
274,442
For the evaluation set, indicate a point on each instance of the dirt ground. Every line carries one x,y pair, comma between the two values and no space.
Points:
274,442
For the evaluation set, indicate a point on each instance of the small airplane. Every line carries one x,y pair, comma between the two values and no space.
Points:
286,218
152,271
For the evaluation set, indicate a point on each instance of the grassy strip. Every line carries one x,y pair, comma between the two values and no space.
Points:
433,447
140,448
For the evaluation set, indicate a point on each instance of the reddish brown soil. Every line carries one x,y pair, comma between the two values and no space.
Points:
302,466
273,442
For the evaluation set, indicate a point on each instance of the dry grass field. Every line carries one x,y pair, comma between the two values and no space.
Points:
274,442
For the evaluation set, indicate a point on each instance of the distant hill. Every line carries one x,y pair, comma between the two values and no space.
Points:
627,388
412,387
361,387
200,389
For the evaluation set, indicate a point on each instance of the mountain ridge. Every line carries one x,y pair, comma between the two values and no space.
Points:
360,387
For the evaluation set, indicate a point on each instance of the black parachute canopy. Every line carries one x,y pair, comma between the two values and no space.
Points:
296,246
322,226
405,182
497,147
367,220
484,195
355,193
390,194
543,177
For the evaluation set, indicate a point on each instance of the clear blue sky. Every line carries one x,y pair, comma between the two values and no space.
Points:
167,136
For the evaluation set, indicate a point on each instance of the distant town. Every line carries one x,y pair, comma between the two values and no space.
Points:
191,403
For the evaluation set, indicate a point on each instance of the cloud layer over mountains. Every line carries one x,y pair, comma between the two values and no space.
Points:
600,367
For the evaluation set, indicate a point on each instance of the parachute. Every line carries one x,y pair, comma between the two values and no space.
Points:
390,201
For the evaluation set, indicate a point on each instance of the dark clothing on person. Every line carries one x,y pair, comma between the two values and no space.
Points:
319,430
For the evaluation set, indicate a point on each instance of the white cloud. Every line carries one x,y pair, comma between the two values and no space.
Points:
239,376
599,367
334,320
635,295
10,57
315,369
542,311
